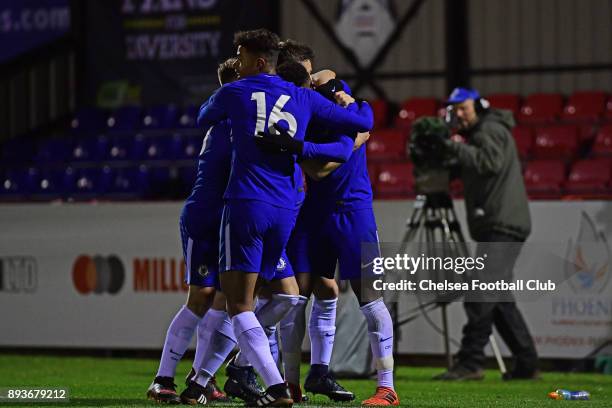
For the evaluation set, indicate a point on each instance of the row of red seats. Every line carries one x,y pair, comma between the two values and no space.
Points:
539,108
543,179
541,142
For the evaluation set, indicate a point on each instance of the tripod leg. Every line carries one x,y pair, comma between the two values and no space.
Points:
498,356
449,357
394,319
412,228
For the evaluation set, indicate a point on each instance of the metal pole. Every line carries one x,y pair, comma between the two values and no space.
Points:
497,353
449,357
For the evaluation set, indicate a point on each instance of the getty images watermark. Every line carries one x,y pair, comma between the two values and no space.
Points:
458,265
483,272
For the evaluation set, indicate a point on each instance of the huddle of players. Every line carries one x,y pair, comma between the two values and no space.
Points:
263,127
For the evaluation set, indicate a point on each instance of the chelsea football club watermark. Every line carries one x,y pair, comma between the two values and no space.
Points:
474,284
482,272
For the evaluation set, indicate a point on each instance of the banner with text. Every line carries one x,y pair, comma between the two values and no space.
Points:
111,276
27,24
167,50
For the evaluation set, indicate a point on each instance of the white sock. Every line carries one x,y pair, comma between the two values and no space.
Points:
241,360
380,331
322,330
222,342
254,344
203,338
178,337
292,330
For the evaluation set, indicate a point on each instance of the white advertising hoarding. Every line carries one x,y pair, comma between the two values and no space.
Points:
110,276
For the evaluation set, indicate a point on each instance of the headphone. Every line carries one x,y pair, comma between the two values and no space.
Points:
481,105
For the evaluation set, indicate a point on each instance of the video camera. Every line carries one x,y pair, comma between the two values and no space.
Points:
430,157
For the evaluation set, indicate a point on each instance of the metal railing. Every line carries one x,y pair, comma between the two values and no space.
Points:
37,88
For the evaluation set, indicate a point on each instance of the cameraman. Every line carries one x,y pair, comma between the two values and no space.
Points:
497,211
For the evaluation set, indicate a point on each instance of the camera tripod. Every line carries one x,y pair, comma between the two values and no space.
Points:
434,227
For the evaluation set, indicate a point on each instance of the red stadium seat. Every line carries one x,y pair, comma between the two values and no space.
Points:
523,137
380,107
541,108
584,106
586,132
603,142
413,109
386,144
608,111
589,176
556,142
511,102
395,180
544,178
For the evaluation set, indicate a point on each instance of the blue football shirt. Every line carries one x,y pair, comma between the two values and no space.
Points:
348,187
253,104
205,203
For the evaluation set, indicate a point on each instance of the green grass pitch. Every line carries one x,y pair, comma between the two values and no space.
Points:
122,382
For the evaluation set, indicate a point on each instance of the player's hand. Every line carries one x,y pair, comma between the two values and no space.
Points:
361,139
278,141
343,99
322,77
458,138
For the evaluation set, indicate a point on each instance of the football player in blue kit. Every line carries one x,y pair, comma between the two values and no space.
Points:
292,327
269,307
262,197
299,74
239,379
339,220
199,227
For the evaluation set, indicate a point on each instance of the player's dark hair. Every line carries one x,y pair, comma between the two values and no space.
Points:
227,71
261,42
294,72
291,50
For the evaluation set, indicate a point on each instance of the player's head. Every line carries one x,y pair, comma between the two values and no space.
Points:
257,51
294,72
226,72
291,50
466,105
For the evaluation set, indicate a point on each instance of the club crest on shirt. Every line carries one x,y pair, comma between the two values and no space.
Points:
203,271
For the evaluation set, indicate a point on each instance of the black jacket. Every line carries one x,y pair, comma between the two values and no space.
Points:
495,196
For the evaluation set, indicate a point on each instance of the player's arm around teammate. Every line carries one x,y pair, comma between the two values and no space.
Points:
317,169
